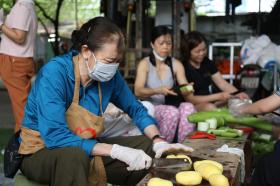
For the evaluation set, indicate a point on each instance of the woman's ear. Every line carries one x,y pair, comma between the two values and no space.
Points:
152,45
85,52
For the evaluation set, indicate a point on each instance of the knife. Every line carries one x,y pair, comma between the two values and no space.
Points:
275,113
174,163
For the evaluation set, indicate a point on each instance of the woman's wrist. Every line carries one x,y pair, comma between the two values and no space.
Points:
102,149
158,138
215,97
222,96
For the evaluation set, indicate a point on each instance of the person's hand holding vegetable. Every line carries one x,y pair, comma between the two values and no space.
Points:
237,107
186,89
167,91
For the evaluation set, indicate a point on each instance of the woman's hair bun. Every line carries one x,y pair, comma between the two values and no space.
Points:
78,38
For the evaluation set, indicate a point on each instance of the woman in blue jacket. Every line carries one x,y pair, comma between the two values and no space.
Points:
63,157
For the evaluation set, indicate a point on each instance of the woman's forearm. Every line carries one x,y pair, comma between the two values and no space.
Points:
146,92
227,87
262,106
222,84
196,99
18,36
151,131
102,149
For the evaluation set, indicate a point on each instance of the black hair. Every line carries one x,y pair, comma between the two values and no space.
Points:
189,42
156,33
95,33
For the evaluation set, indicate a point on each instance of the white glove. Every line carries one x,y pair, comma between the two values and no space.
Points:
162,147
1,16
136,159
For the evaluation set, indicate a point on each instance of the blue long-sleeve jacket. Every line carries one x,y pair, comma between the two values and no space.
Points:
53,92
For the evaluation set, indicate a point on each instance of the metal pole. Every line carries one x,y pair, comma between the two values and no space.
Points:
259,20
231,64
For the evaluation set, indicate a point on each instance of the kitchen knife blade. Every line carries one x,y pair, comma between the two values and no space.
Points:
275,113
174,163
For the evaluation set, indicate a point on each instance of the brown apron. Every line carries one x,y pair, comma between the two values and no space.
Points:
81,122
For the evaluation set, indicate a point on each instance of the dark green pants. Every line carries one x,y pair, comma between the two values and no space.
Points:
70,166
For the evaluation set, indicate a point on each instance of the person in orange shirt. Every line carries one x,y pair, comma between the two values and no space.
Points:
16,54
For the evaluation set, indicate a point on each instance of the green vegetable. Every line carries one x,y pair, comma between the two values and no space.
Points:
202,116
261,137
190,88
212,123
184,88
225,132
217,132
262,143
202,126
252,122
229,134
238,132
266,137
220,121
224,114
260,148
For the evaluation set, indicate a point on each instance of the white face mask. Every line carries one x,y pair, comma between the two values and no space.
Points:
158,57
101,71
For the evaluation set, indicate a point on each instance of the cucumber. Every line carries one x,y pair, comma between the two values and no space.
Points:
220,121
223,116
229,134
217,132
238,132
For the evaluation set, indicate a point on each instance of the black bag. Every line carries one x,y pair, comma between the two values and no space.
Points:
12,159
170,99
174,100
